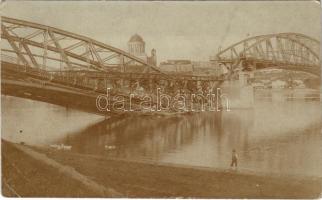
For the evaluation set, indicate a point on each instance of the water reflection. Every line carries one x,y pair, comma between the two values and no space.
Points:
132,136
270,138
274,136
40,123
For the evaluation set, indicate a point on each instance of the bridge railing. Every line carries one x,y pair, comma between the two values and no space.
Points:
274,59
90,80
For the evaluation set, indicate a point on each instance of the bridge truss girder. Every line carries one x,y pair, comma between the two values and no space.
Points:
39,46
291,49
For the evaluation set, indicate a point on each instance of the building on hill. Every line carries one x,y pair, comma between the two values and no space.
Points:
198,68
136,47
177,66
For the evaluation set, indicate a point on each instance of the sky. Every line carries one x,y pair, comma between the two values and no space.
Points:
177,30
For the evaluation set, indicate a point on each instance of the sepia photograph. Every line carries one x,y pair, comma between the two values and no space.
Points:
161,99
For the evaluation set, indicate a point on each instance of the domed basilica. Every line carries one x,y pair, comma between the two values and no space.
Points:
136,47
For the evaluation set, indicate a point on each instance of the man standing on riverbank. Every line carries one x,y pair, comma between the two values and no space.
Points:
234,159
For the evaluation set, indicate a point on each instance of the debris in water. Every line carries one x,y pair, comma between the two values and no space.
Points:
61,147
109,147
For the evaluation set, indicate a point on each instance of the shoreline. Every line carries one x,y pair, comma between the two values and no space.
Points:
295,177
146,179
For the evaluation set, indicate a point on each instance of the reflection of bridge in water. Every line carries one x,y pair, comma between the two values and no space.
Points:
48,64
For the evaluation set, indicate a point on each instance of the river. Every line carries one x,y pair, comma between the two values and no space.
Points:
277,135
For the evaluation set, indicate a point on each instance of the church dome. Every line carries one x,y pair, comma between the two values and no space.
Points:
136,38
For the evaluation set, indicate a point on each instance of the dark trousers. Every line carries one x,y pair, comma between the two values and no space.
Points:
233,163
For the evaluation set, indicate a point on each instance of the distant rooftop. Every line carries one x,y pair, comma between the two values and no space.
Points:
136,38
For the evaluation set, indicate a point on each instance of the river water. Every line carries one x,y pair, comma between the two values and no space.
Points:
279,134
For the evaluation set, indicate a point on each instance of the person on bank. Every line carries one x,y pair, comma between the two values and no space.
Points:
234,159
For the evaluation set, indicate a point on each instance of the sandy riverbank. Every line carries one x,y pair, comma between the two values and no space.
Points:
25,176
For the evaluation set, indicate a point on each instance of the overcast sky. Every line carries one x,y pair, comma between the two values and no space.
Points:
177,30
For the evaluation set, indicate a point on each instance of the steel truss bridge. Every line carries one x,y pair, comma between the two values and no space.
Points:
49,64
291,51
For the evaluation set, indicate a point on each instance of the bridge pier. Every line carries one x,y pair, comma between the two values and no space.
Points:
151,85
247,89
95,85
